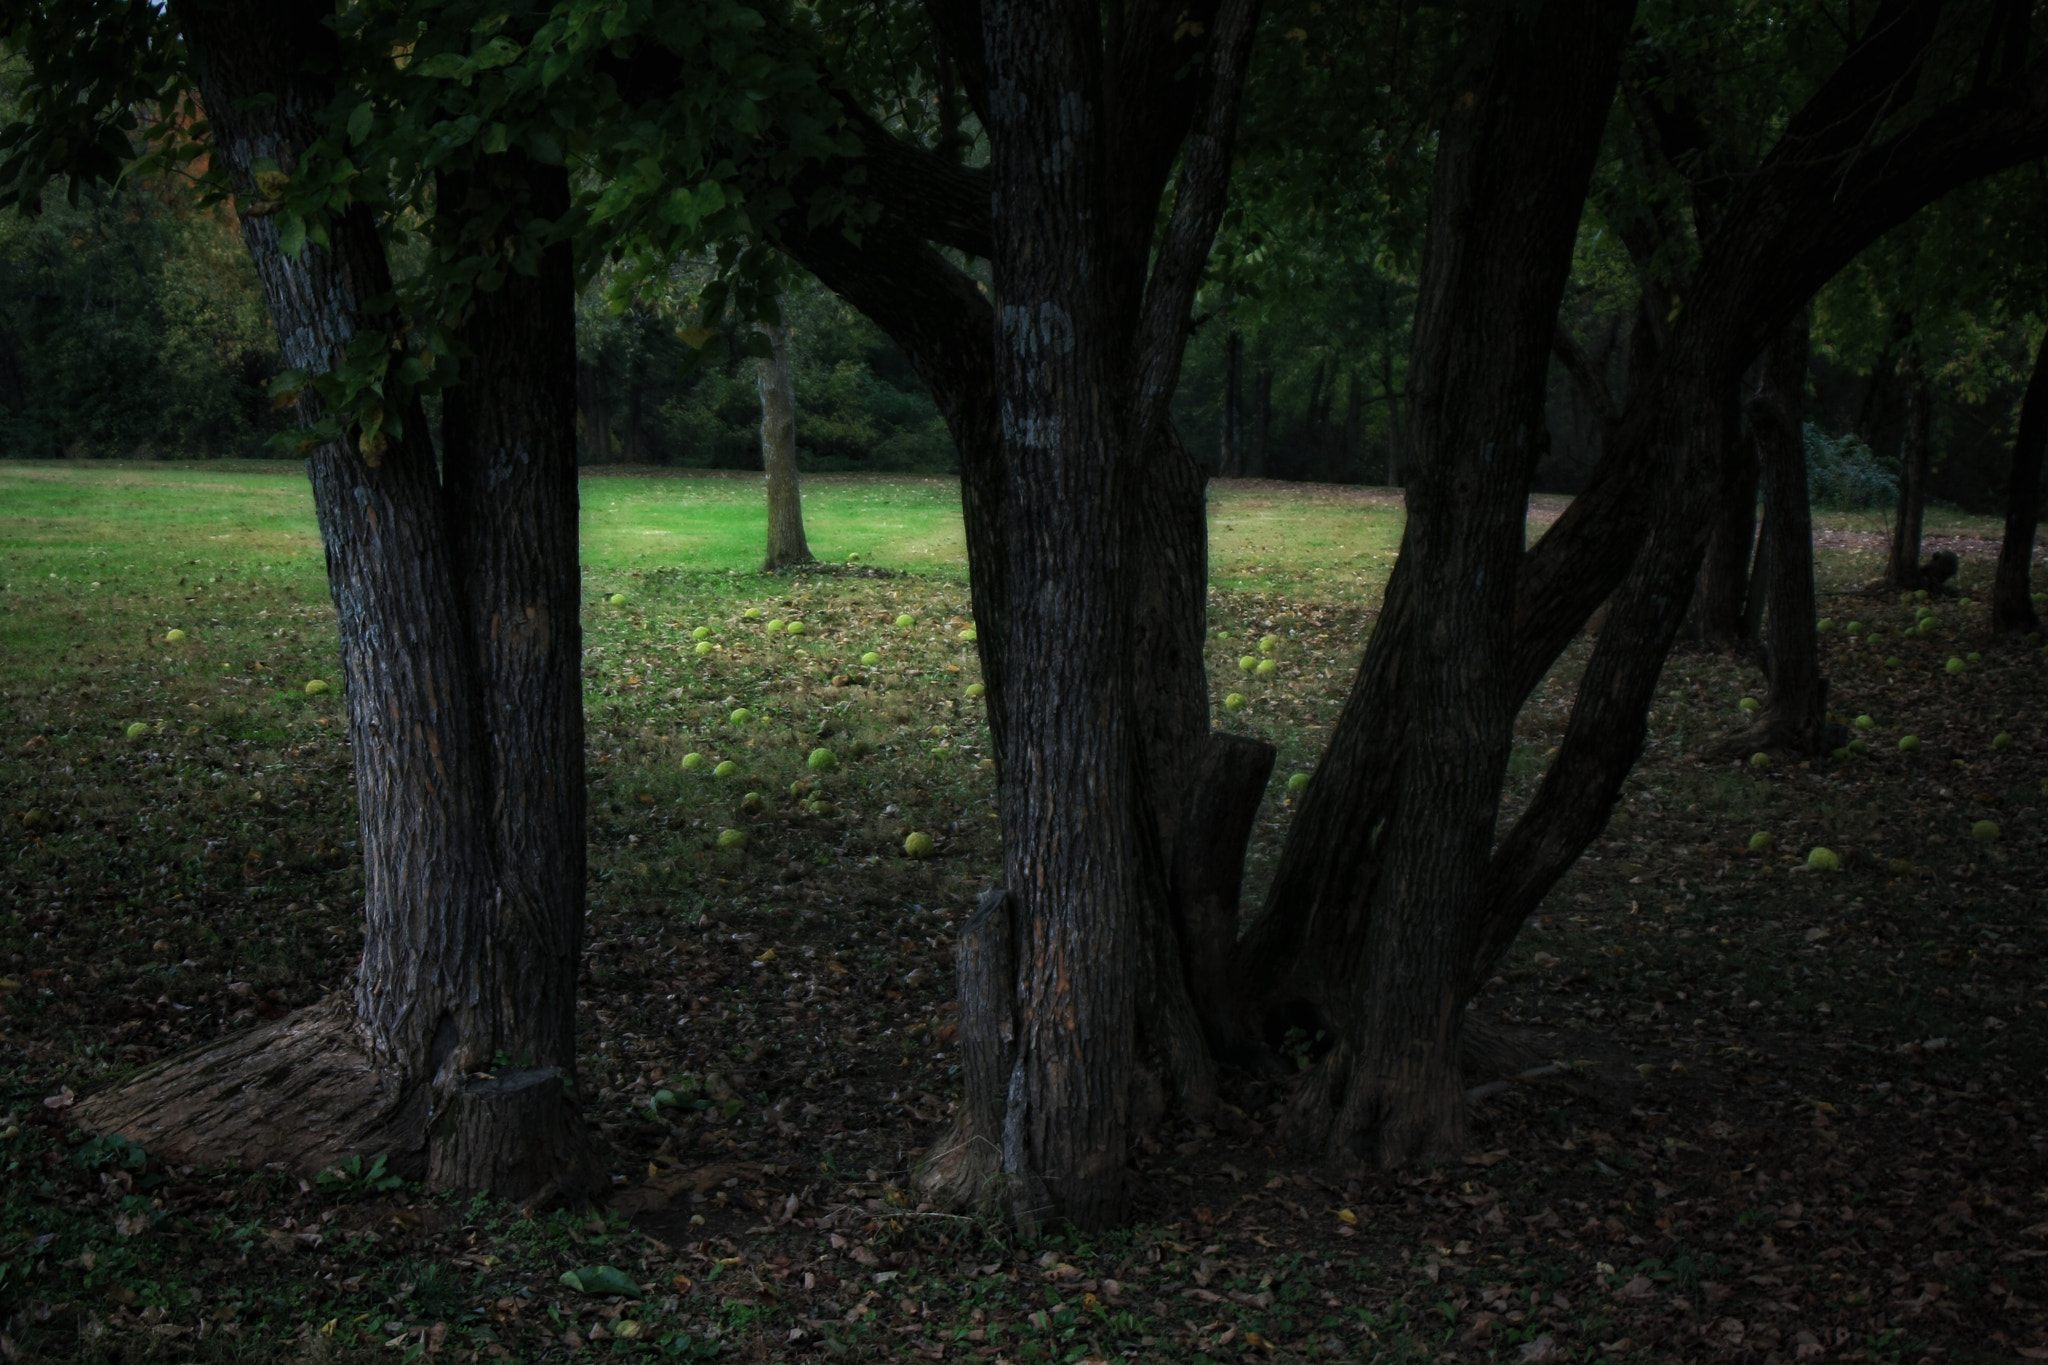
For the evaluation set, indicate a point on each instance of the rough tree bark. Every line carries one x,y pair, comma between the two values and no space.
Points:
1795,713
1903,567
1720,611
786,543
2012,603
460,640
1387,956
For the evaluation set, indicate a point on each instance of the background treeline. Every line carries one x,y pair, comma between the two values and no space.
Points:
131,325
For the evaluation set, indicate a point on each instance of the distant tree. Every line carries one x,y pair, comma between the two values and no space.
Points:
786,543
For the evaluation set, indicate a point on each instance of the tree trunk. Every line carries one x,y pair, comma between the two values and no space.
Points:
1260,450
1720,608
786,543
594,401
1914,458
1071,842
462,682
1389,855
2012,604
1795,714
1230,463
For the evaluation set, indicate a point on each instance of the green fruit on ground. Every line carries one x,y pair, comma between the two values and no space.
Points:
732,840
137,730
1759,760
1234,702
726,768
905,621
969,636
1268,643
919,845
705,648
1824,860
1248,662
751,614
1920,595
742,716
1223,635
1962,601
976,690
174,636
1856,627
701,633
1892,661
800,789
795,627
1750,704
618,599
1297,782
751,803
1974,657
1826,625
316,687
822,760
1865,723
776,627
853,558
1909,744
1267,668
1761,841
1957,666
1842,752
2001,740
2041,599
1859,747
821,807
692,762
1985,831
871,658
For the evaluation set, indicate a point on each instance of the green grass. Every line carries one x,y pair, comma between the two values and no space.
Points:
174,887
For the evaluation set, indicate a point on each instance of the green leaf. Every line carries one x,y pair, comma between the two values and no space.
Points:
497,52
291,235
359,121
600,1280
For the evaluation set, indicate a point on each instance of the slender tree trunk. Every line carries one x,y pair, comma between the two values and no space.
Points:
1231,463
1354,419
1720,608
2012,604
786,543
1795,714
594,405
456,1055
636,432
1914,458
1260,451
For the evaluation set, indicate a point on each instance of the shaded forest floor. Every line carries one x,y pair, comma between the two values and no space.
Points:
1799,1116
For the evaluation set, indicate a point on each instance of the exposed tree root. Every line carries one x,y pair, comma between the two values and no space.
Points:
299,1094
302,1094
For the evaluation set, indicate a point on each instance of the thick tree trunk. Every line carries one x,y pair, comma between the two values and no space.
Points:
509,484
1386,956
1071,841
1915,455
1795,714
2012,604
1230,462
462,683
786,543
1720,610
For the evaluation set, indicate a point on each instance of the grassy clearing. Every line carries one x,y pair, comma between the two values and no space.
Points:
1781,1087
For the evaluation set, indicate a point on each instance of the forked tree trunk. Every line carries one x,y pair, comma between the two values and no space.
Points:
1795,714
1903,568
460,647
2012,603
1720,610
1385,956
786,543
